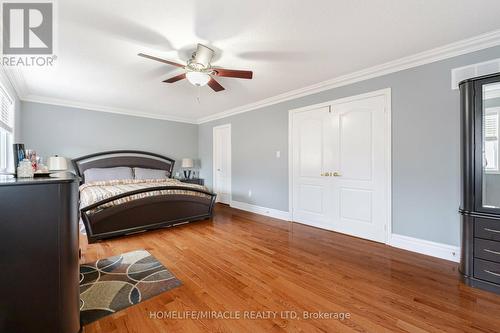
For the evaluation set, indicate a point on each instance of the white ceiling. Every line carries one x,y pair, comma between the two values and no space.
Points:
288,44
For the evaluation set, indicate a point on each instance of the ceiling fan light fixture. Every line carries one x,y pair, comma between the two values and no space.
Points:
198,79
199,71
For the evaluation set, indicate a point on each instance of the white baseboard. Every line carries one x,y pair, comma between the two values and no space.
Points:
438,250
278,214
433,249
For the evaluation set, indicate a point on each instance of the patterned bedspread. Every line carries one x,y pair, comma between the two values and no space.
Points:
93,192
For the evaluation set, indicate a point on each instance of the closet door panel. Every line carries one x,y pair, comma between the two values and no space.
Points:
312,158
359,189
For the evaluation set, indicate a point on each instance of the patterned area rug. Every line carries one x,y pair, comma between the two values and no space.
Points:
115,283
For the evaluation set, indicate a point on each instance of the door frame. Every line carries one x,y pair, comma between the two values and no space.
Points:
388,149
229,158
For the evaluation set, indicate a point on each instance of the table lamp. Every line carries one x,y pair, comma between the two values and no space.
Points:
57,163
187,164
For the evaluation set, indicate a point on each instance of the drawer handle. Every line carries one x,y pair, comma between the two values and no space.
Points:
492,230
491,251
492,273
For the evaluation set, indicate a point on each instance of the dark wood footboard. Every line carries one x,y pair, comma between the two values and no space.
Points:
138,215
148,213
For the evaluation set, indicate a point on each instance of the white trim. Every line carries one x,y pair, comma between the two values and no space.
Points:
229,157
438,250
290,164
388,152
277,214
474,70
381,92
429,248
17,80
96,107
451,50
469,45
388,149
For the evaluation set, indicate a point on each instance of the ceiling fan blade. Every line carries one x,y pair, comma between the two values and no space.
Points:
160,60
176,78
215,85
233,73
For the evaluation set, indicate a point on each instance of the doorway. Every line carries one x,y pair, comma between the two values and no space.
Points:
222,163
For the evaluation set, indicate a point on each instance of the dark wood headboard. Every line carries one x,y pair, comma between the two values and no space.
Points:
126,158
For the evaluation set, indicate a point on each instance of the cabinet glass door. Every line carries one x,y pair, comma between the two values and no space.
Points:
490,146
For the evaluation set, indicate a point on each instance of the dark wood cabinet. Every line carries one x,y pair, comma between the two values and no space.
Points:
480,190
39,255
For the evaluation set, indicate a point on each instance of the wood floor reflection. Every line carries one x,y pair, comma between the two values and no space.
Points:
240,261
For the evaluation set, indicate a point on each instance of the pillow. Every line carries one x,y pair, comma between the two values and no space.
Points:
141,173
101,174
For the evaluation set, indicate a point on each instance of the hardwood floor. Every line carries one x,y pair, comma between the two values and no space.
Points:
241,261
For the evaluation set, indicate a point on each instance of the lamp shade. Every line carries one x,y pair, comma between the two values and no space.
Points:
198,79
187,163
57,163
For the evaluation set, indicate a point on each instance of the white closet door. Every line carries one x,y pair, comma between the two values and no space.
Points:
312,157
222,163
340,157
360,182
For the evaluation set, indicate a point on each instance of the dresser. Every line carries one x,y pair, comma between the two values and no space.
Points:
480,178
39,283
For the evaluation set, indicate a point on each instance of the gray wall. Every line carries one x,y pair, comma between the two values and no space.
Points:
255,138
425,148
425,144
73,132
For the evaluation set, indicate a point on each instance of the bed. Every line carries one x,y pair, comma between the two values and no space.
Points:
115,207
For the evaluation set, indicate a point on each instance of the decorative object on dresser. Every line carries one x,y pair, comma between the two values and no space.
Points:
187,165
25,169
57,163
480,172
39,247
198,181
144,204
19,154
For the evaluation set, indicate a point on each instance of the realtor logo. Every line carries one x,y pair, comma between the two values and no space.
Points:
28,28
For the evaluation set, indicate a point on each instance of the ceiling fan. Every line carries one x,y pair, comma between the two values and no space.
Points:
199,70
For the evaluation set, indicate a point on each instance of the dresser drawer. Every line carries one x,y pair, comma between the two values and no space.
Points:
487,229
486,249
487,270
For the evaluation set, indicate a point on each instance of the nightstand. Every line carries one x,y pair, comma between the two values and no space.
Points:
198,181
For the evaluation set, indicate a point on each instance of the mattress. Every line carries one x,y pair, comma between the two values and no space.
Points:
93,192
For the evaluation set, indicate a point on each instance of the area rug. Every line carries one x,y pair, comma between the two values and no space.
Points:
115,283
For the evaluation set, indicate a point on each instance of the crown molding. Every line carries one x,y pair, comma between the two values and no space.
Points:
465,46
17,81
101,108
